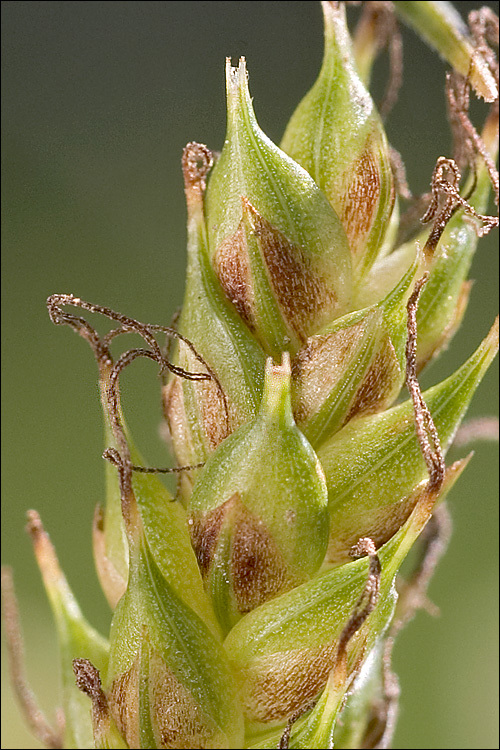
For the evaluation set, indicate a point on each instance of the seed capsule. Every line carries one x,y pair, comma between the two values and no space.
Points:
336,134
286,648
201,414
374,464
277,246
258,513
168,683
352,367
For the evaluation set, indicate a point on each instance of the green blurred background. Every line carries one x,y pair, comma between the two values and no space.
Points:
99,99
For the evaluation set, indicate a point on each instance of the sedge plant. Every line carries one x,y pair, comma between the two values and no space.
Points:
258,605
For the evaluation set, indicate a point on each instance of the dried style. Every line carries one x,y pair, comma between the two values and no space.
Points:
259,607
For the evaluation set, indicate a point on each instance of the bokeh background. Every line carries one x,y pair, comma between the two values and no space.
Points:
99,99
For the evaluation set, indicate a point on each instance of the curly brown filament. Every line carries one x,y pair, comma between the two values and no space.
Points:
59,317
428,437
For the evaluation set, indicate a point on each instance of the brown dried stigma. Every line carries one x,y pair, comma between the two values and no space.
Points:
426,430
197,160
468,144
34,716
88,680
445,199
369,597
435,537
100,347
444,185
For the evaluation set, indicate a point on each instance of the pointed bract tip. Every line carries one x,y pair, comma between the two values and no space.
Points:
330,7
493,334
276,400
236,76
284,369
34,527
428,497
43,549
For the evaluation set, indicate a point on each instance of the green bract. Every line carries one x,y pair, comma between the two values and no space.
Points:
197,415
75,636
363,459
167,682
442,27
257,608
